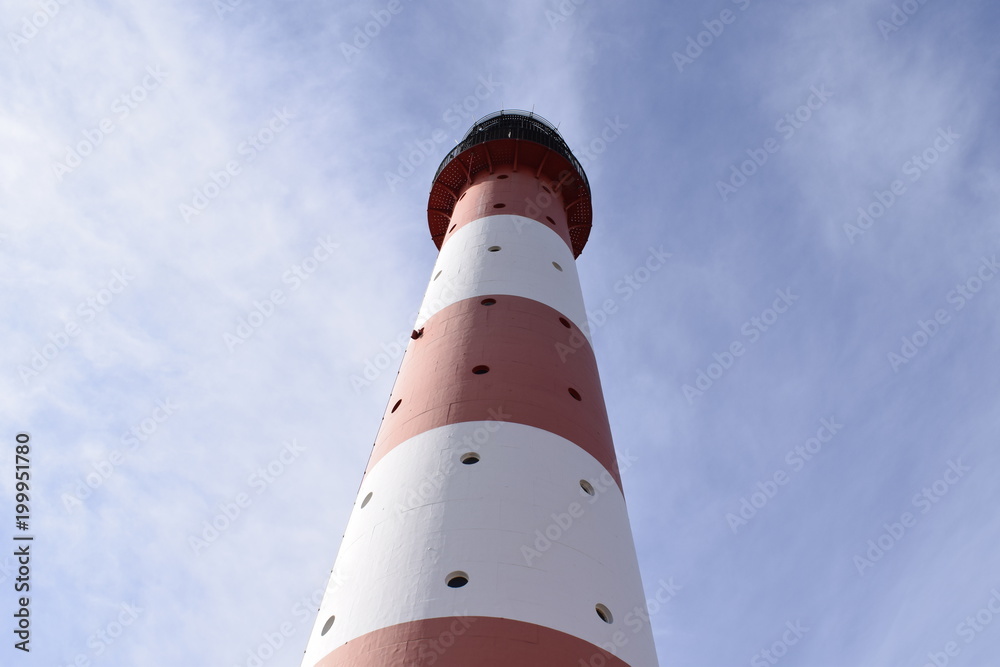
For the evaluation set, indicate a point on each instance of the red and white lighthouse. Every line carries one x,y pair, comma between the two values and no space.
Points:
491,528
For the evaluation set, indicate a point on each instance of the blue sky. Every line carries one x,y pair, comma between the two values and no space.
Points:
169,171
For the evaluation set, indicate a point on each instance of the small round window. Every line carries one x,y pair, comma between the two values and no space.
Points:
604,613
457,579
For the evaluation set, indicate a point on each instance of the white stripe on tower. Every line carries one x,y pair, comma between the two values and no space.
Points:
536,264
491,528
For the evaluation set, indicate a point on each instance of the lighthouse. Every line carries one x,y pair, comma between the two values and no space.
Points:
490,528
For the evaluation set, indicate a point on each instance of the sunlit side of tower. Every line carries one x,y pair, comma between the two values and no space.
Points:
490,528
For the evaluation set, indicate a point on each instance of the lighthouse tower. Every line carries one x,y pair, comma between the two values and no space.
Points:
490,528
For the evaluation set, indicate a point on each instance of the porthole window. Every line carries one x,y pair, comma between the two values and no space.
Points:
438,274
499,205
575,394
604,613
488,302
452,229
587,487
502,176
327,626
469,458
481,370
366,500
563,321
457,579
396,405
494,248
546,189
557,266
551,221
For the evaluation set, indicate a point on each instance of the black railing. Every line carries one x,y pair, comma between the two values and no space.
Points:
514,124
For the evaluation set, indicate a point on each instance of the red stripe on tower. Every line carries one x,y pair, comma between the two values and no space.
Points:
491,528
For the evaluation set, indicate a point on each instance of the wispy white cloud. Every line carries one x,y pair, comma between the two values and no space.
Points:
320,172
